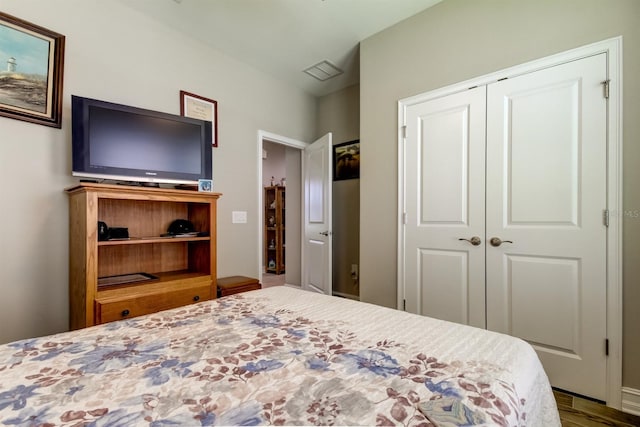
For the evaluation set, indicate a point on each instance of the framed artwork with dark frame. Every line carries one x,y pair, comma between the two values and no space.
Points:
199,107
346,160
31,72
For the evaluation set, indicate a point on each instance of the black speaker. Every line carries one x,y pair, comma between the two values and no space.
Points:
103,231
118,233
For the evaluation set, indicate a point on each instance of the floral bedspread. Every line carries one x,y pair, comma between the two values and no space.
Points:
277,356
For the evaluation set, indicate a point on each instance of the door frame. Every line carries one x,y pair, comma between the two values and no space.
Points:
613,48
282,140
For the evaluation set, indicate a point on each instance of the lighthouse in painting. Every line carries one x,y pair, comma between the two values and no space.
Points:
11,65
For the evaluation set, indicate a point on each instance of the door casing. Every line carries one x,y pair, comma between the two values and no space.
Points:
613,48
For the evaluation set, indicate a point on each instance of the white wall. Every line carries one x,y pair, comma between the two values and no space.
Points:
116,54
455,41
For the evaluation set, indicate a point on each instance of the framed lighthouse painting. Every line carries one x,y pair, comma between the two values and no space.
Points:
31,72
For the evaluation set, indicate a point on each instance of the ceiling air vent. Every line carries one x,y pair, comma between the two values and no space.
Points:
323,70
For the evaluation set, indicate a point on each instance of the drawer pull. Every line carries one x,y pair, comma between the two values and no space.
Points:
125,313
196,298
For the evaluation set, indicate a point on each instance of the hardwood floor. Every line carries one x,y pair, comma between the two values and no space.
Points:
580,412
269,280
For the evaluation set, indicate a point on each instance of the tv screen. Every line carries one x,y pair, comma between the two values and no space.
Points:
125,143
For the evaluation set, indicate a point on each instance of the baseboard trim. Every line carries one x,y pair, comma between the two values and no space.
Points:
631,401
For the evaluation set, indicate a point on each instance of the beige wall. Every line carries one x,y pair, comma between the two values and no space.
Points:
339,113
116,54
460,39
293,216
273,166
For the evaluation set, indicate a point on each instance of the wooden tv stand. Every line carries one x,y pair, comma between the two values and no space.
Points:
184,268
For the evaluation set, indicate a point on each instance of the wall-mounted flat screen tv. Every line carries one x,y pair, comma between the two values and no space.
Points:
125,143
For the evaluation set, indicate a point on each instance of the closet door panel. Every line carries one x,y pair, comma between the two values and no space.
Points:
444,275
552,283
546,191
542,149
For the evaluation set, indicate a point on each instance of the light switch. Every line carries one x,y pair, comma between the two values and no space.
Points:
239,217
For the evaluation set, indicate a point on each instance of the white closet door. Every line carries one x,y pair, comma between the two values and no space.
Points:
445,167
546,192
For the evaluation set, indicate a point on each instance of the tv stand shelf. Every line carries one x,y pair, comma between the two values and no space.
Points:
146,240
185,266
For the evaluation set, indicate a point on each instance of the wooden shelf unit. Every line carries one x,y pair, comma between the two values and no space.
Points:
185,267
274,229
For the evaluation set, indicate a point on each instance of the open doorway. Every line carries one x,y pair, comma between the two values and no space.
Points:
341,273
280,207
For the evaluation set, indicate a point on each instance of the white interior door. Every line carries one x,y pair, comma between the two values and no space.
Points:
546,193
445,167
317,173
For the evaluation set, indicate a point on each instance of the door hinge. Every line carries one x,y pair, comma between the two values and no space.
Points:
404,131
404,305
605,217
606,346
404,218
605,85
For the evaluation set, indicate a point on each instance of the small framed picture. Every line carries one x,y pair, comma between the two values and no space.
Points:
346,160
199,107
205,185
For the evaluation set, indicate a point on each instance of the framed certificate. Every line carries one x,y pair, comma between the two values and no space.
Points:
199,107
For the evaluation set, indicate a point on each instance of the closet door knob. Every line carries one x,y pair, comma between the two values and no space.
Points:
475,240
196,298
496,241
125,313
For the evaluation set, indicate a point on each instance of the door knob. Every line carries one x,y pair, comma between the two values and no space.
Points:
325,233
475,240
496,241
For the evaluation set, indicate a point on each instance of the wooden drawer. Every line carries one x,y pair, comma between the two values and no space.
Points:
118,309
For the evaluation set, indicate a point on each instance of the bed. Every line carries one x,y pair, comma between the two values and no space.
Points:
276,356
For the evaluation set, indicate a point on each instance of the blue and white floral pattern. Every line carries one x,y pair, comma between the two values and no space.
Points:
246,360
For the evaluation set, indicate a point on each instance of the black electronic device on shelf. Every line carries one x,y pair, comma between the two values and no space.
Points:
183,228
111,233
